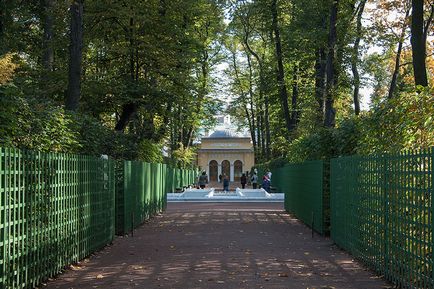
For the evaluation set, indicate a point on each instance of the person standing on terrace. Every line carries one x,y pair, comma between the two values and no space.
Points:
203,180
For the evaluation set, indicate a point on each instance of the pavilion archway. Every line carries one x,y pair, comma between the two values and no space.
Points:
213,171
238,170
226,168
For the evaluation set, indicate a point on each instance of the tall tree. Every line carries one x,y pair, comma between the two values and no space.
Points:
331,70
295,113
75,55
47,40
401,39
320,69
2,19
283,92
418,43
249,24
355,57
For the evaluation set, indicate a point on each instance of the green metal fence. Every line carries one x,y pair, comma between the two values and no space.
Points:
303,187
142,191
55,209
382,212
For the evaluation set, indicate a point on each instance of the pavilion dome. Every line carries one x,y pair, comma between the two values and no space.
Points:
226,133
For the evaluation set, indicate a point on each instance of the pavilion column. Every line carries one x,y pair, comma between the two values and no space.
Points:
207,170
219,171
232,172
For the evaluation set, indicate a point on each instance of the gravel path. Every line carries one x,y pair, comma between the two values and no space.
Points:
220,245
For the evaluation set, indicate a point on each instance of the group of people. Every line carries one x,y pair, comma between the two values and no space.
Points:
266,181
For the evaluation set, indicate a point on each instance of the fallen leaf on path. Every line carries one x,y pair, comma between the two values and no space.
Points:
99,276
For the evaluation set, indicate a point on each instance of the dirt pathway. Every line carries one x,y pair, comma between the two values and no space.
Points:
220,245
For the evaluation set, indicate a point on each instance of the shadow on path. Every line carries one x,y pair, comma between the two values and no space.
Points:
220,245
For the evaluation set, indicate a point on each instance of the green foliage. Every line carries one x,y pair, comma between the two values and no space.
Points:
185,157
152,61
28,123
404,122
150,152
159,65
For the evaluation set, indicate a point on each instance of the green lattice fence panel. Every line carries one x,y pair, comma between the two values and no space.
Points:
171,179
160,189
142,191
135,199
303,187
177,178
55,209
382,212
184,178
148,190
154,191
119,198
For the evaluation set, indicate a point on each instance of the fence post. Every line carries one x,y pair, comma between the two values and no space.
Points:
432,214
3,211
386,214
313,222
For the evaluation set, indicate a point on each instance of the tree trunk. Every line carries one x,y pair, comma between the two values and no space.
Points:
250,119
295,115
203,92
261,129
267,127
395,74
283,93
128,110
331,77
418,44
47,40
162,130
4,19
266,134
355,58
75,55
320,68
255,124
132,49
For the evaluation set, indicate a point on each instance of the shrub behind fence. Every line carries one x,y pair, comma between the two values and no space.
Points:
382,213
